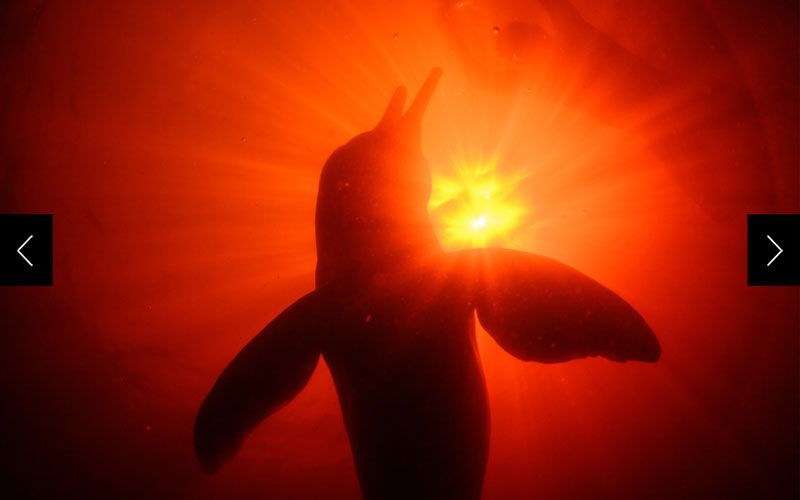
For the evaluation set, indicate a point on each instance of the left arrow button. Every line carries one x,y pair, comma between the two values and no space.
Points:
26,250
19,250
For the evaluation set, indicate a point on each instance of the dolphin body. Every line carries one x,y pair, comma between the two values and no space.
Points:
393,315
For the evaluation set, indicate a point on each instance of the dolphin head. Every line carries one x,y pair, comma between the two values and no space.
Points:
373,193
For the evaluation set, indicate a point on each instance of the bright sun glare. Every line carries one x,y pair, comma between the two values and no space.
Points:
475,207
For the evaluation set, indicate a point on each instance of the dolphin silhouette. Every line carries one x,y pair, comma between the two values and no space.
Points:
393,315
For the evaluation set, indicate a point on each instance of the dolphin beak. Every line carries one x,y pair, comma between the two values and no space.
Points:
412,120
416,111
394,111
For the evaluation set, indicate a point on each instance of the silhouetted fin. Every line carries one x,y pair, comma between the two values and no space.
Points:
266,374
538,309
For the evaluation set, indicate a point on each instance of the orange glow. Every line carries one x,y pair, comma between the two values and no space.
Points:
477,207
179,148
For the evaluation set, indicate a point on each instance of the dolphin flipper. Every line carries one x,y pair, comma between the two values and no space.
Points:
538,309
266,374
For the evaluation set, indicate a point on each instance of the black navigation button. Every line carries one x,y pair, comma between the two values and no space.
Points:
773,249
26,249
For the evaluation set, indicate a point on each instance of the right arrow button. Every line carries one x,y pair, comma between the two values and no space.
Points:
780,251
773,249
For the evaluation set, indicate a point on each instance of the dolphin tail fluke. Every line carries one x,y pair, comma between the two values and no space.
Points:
538,309
266,374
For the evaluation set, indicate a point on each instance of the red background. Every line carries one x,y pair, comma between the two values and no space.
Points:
179,145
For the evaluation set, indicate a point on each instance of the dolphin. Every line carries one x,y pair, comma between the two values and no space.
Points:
393,314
